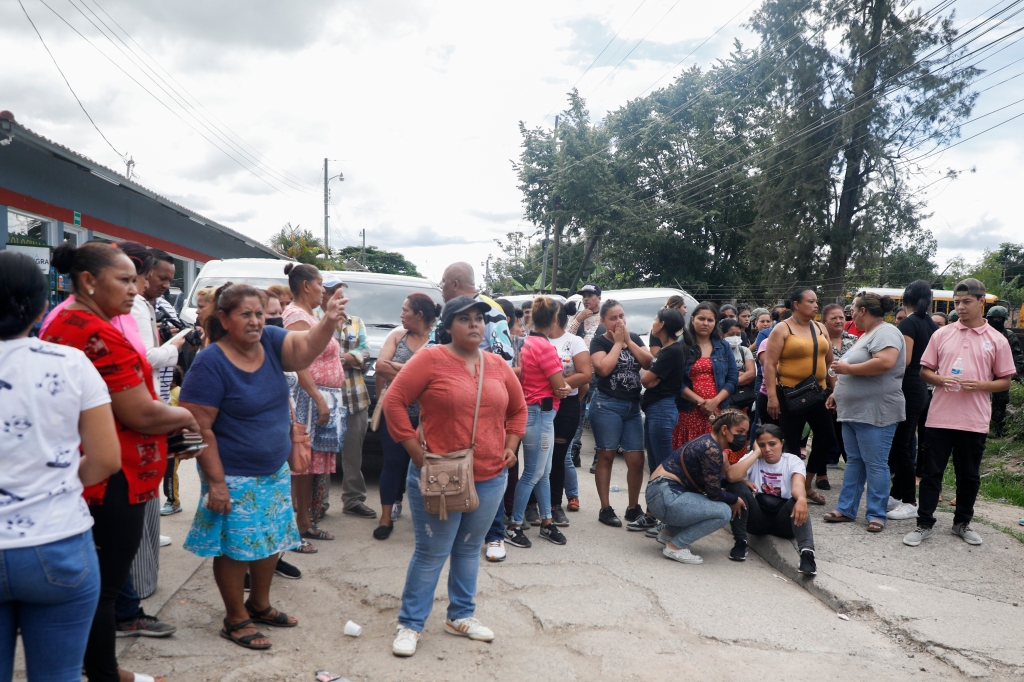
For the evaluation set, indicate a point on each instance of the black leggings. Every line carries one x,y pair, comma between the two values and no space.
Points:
820,419
117,531
755,521
901,453
566,422
396,465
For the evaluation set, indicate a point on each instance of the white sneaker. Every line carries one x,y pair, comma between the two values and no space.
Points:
405,642
903,512
682,555
468,627
893,503
496,550
396,510
664,537
165,540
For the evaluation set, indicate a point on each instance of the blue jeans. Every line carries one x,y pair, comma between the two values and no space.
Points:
458,537
867,460
572,481
50,592
617,422
591,392
688,516
538,442
128,604
661,419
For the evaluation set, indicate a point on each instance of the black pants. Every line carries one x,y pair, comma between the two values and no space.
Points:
171,481
566,422
967,448
820,419
901,453
117,531
999,402
762,410
396,465
923,454
755,521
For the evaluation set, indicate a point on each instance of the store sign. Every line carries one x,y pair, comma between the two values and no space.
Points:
40,254
24,240
78,218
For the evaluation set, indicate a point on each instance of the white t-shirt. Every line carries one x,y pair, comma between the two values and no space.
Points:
568,346
43,389
776,479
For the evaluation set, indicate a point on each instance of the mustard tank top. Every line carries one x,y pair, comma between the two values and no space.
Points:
796,361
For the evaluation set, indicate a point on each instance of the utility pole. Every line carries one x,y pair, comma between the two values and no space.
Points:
362,252
327,243
547,229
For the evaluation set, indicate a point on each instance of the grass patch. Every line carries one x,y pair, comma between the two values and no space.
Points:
1002,473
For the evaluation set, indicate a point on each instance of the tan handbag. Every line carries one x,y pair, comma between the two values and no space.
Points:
301,455
446,480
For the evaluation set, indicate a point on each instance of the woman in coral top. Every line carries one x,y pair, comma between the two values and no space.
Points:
444,381
103,279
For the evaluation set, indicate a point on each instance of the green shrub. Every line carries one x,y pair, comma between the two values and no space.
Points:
1017,394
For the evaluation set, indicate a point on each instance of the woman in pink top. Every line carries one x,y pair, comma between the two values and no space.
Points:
444,381
543,386
317,399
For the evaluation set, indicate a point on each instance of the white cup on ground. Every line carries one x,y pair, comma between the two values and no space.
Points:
353,629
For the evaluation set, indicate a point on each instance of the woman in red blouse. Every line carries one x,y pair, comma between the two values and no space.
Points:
103,279
444,381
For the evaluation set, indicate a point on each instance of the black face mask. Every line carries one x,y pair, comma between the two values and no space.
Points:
997,323
274,322
738,442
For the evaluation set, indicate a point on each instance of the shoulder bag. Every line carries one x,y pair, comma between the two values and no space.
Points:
446,479
808,394
301,455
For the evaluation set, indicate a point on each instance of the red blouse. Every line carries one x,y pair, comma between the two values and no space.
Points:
143,456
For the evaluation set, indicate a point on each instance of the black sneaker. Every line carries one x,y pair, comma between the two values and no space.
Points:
144,626
643,522
558,517
533,514
516,538
593,467
633,513
739,551
285,570
807,565
653,531
549,532
607,517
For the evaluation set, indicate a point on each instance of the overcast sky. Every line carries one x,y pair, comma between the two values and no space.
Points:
417,104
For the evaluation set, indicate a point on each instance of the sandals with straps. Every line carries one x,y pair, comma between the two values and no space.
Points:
875,526
836,517
279,621
243,640
315,533
305,547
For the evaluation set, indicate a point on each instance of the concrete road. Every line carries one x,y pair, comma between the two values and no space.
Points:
607,606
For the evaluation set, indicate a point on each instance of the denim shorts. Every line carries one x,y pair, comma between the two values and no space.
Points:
616,422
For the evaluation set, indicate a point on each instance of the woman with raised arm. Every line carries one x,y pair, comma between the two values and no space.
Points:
238,393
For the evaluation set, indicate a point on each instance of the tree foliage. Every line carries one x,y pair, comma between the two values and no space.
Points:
299,244
376,260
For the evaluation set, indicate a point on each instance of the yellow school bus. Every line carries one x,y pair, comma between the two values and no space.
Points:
942,299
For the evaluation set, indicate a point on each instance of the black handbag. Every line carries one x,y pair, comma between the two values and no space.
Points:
743,398
808,394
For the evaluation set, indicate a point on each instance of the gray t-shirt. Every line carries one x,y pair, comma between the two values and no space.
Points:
876,400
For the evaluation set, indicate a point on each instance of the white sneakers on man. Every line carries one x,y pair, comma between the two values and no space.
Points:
495,550
468,627
904,511
405,642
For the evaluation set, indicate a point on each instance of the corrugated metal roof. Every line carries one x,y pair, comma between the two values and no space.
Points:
13,129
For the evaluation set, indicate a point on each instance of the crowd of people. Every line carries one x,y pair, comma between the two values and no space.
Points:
733,414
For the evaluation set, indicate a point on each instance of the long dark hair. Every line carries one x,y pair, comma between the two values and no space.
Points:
298,273
23,290
421,304
672,321
140,256
704,305
226,299
918,295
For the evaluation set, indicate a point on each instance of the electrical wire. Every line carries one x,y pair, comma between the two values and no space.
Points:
623,60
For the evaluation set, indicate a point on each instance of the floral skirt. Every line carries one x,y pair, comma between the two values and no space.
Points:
261,522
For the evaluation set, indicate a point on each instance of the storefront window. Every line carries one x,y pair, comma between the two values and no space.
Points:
26,229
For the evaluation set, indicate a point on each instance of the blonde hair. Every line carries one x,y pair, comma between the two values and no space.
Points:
279,290
207,294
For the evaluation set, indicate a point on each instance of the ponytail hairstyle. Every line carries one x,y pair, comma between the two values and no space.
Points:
675,301
228,297
608,304
23,291
544,312
423,305
796,296
671,320
570,308
876,305
298,274
92,257
140,256
918,295
563,315
729,417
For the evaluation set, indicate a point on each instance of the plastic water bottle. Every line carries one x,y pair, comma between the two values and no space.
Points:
957,372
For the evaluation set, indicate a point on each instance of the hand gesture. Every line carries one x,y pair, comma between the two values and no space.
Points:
336,307
620,333
583,314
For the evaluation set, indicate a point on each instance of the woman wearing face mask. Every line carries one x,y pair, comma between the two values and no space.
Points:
771,482
274,310
732,333
685,492
709,376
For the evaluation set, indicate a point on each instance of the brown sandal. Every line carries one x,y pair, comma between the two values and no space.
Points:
875,526
836,517
243,640
815,497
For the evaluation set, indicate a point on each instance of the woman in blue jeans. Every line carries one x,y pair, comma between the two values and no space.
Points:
49,572
685,493
617,356
444,379
869,402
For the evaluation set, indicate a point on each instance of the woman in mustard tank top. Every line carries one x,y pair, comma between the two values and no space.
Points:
790,359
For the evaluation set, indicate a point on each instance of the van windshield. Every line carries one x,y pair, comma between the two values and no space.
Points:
258,282
381,304
640,313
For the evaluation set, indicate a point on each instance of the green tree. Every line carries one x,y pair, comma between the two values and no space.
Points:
376,260
299,244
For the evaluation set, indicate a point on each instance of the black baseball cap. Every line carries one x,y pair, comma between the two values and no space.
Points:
590,289
461,304
970,286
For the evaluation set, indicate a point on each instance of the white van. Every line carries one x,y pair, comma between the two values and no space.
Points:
641,305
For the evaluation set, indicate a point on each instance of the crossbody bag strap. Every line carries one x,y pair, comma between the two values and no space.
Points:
479,393
682,460
814,340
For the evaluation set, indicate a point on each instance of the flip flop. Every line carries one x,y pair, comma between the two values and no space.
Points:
244,641
279,621
836,517
875,526
304,548
315,533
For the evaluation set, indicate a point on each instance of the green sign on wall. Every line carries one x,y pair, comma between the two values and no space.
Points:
78,218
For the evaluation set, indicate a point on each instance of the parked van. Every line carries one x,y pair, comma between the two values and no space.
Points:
641,305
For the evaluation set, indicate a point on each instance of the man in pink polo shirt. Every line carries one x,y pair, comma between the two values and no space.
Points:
966,361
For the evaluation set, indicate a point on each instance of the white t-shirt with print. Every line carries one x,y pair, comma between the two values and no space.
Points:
568,346
776,479
43,389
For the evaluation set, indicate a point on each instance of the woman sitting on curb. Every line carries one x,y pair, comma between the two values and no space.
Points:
771,482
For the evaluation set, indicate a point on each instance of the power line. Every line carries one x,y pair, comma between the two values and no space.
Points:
66,82
622,61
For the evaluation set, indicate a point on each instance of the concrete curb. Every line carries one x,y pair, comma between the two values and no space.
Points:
782,556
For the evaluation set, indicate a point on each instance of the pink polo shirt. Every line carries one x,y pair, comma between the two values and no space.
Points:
986,356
